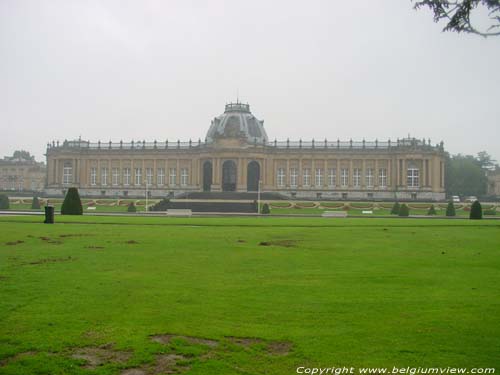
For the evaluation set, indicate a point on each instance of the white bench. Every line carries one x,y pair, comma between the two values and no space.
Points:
179,212
91,208
334,214
367,212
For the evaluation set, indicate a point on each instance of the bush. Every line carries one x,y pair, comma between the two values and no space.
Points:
162,205
72,205
265,209
131,207
35,203
395,209
432,210
490,212
4,202
476,211
404,211
450,209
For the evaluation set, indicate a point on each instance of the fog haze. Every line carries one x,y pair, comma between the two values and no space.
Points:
318,69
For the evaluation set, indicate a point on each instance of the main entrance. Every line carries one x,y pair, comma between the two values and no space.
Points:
253,176
207,175
229,176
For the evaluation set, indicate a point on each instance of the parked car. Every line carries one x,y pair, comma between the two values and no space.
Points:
455,199
471,199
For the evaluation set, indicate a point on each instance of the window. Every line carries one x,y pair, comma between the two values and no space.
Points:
116,176
356,177
382,177
344,177
138,176
413,177
149,176
332,177
414,196
370,195
293,177
344,195
319,177
172,176
307,177
184,176
281,177
160,177
126,176
67,173
93,176
104,176
369,177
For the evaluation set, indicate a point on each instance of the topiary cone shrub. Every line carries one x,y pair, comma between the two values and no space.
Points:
131,207
35,203
432,210
476,211
72,204
265,209
404,211
395,209
4,202
450,209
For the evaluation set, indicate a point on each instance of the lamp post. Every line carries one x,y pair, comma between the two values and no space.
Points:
258,197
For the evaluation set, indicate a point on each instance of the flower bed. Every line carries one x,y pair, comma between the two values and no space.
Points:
331,205
306,205
361,206
281,205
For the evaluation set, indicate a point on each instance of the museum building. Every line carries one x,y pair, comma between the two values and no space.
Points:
236,155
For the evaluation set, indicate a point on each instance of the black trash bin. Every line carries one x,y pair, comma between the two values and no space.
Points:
49,215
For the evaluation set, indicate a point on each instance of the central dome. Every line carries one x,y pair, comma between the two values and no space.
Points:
237,122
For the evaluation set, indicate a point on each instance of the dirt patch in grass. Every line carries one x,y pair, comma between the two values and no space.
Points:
280,348
241,241
132,242
245,341
44,238
2,278
167,339
163,364
94,247
98,356
17,357
283,243
52,260
13,243
74,235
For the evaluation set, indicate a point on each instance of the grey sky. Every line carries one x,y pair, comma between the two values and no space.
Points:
311,69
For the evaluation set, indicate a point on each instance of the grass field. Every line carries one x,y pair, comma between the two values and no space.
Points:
135,295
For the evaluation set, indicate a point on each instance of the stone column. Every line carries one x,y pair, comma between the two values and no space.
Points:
375,175
363,175
350,175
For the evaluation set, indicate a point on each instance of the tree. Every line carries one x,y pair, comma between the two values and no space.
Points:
476,211
432,210
395,208
72,205
450,209
23,155
4,202
404,211
458,13
464,175
485,160
35,203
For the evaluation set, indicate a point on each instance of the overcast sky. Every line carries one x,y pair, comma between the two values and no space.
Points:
310,69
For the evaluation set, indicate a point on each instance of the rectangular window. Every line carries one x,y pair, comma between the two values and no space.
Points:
319,177
126,176
116,176
369,177
307,177
281,177
172,176
184,176
149,176
67,173
413,177
93,176
356,177
332,177
160,177
382,177
104,176
293,177
138,176
344,177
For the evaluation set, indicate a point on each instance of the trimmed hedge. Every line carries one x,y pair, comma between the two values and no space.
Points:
4,202
395,209
450,209
404,211
476,211
72,205
432,210
131,207
490,212
265,209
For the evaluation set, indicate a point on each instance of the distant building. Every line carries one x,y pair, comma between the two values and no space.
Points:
17,174
236,155
493,189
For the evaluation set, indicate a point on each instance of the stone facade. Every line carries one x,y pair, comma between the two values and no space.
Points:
493,189
236,155
21,175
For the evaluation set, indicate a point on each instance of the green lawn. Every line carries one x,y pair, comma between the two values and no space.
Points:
270,294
